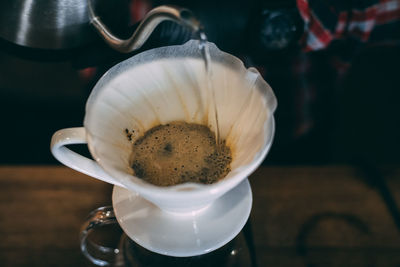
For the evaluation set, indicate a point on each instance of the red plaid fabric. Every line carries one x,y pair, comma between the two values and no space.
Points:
325,23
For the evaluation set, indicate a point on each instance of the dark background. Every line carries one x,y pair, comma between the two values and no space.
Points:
323,117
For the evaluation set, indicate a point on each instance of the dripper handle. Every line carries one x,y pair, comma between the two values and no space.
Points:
66,156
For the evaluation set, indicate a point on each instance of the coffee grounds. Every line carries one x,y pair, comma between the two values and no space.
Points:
180,152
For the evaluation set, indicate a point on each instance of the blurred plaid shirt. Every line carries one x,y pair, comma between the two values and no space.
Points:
364,21
340,30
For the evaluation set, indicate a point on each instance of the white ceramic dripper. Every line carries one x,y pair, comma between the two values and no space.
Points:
170,84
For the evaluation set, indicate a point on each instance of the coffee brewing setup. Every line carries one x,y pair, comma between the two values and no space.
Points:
157,87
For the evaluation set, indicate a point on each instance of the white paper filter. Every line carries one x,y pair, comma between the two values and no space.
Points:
169,84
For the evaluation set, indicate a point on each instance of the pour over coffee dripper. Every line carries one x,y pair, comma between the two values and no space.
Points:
156,87
163,85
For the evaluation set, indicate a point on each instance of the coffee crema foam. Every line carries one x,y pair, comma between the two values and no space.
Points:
180,152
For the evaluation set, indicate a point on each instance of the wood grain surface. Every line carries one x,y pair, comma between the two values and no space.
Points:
301,216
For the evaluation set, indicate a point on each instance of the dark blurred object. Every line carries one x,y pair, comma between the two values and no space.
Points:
57,24
280,28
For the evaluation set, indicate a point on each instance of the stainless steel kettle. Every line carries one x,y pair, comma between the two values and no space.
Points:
65,24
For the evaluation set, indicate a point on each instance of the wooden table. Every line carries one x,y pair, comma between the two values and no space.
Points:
326,216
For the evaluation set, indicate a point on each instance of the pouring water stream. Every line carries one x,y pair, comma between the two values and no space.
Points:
203,46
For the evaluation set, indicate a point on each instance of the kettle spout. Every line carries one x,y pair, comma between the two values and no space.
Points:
146,27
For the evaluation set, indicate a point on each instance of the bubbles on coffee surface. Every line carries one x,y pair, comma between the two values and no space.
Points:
180,152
